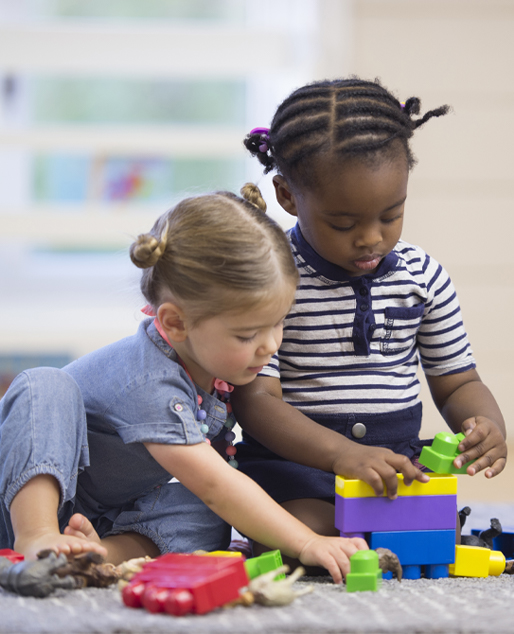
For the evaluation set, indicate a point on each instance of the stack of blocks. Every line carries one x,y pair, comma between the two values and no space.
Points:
418,526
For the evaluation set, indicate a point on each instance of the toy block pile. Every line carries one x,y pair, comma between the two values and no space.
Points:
181,584
418,526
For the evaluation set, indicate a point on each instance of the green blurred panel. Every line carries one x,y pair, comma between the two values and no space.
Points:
126,101
233,10
208,175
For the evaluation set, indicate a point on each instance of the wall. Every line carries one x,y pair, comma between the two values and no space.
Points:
461,198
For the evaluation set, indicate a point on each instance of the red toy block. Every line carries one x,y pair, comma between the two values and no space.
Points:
182,584
12,555
431,512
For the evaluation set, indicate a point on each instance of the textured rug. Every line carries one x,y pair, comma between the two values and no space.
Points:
442,605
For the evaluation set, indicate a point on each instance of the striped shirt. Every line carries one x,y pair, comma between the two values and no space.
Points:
353,344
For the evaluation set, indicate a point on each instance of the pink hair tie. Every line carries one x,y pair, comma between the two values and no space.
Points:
264,132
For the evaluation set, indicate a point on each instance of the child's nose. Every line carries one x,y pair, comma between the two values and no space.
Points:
370,236
270,344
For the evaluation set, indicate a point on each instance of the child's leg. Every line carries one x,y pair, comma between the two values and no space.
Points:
35,522
43,445
168,519
119,547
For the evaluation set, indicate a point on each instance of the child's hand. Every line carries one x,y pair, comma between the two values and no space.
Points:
484,442
332,553
378,467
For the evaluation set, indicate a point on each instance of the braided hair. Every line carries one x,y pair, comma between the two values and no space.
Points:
344,118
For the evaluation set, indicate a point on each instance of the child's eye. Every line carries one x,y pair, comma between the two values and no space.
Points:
389,220
246,339
342,228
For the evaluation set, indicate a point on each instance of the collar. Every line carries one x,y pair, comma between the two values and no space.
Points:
332,271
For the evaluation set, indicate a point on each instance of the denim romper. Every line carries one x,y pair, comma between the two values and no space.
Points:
86,425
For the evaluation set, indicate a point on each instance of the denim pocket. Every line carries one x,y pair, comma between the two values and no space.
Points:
401,324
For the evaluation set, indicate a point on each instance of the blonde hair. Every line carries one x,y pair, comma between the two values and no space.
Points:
214,253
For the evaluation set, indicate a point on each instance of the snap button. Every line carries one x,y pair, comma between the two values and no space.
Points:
363,290
178,407
359,430
364,307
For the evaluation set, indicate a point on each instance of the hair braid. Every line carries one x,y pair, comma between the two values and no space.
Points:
349,118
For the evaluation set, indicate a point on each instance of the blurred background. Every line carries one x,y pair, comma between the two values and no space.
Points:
111,111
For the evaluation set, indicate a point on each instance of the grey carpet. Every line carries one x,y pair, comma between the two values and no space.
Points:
443,605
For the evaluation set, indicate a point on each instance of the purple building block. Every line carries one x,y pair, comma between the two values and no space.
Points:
412,513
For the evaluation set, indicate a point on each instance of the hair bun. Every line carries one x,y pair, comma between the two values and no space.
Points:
146,250
251,193
412,106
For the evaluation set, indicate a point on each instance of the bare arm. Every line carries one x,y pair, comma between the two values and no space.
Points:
243,504
467,405
261,412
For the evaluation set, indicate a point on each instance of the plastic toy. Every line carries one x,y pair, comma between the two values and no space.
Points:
419,529
439,484
265,563
427,551
440,455
365,573
267,590
473,561
11,555
431,512
35,578
182,584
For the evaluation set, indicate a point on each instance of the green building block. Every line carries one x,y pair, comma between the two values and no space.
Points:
365,573
440,456
264,563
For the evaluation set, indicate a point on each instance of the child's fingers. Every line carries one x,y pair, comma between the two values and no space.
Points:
491,466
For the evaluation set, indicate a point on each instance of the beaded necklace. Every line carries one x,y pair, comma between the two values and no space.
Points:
222,391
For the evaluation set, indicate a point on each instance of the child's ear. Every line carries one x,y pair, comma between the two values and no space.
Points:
284,195
172,320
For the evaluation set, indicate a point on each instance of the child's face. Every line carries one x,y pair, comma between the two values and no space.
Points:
354,217
234,346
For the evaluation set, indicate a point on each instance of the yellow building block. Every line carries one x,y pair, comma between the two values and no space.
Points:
439,484
223,553
472,561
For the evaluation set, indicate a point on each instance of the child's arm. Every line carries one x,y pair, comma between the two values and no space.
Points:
261,412
243,504
468,406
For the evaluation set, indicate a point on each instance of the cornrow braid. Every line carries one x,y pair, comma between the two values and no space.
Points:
348,118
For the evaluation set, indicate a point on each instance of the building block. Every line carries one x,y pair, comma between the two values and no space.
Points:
473,561
221,553
417,547
440,456
182,584
360,515
439,484
503,542
11,555
418,551
365,573
266,562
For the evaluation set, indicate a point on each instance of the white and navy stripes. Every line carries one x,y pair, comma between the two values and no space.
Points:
353,344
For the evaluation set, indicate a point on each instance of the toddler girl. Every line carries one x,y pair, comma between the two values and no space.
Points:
341,395
87,453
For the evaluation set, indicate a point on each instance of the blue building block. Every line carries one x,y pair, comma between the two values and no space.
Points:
359,515
504,542
432,549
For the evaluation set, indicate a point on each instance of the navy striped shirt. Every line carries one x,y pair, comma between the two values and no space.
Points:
353,344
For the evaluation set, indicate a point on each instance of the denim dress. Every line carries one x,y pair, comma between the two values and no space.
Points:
86,425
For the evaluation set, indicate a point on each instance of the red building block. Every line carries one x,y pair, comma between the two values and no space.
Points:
181,584
12,555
